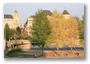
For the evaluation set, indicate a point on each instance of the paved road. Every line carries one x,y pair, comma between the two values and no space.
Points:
63,49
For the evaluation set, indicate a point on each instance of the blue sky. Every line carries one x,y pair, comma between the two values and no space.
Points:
28,9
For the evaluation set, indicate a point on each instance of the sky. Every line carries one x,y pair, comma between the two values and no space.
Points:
25,10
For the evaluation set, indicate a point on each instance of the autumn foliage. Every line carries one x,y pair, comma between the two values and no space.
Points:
64,30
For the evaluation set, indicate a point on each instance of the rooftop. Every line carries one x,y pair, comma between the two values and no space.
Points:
48,12
8,16
15,11
65,12
31,16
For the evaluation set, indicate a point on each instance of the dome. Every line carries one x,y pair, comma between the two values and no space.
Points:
15,11
65,12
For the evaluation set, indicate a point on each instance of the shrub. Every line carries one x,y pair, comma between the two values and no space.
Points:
13,52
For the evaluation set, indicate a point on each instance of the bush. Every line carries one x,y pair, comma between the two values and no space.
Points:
13,52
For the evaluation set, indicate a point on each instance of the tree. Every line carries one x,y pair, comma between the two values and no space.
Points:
24,35
77,18
58,29
73,33
64,31
18,32
40,29
56,14
13,32
81,31
7,32
81,28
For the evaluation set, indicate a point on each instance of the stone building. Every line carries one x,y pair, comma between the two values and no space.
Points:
28,25
12,20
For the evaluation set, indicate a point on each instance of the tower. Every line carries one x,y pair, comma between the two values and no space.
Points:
16,18
66,14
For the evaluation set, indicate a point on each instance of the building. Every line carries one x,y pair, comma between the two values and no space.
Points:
28,25
66,14
47,12
12,20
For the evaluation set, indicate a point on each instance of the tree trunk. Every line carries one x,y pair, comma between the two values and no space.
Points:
42,50
57,48
71,49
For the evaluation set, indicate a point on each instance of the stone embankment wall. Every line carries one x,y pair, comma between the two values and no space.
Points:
23,44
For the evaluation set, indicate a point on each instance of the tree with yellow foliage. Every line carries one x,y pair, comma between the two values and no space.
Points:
73,33
64,31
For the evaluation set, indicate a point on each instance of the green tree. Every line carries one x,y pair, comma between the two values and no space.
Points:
40,29
18,32
81,28
7,32
13,32
24,35
81,31
77,18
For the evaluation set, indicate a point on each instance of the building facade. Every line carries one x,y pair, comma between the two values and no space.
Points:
28,25
12,20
